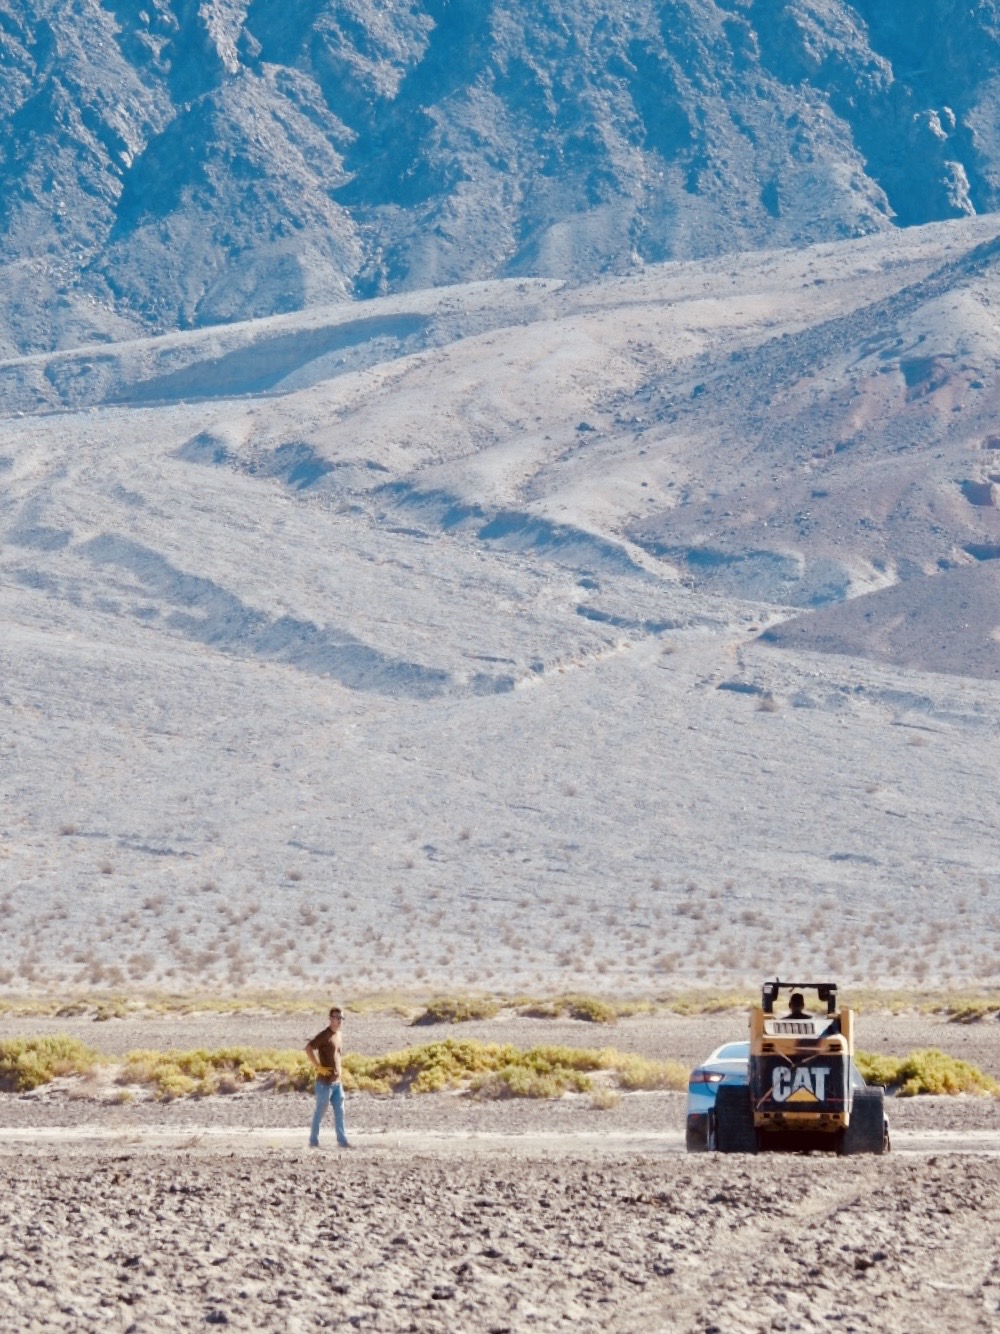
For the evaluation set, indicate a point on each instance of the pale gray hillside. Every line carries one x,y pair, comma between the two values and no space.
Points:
169,165
434,656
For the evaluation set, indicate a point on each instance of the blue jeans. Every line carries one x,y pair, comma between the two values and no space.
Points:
333,1095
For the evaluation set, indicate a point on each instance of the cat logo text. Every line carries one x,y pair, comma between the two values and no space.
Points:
806,1084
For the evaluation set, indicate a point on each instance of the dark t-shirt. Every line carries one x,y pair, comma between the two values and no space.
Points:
327,1050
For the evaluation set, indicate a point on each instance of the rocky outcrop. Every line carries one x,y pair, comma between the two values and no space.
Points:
984,493
168,164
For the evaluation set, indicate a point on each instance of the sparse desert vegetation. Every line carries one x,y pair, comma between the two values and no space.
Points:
927,1071
347,712
960,1007
484,1070
457,1010
29,1063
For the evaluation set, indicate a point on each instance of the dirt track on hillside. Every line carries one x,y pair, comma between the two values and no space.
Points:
142,1239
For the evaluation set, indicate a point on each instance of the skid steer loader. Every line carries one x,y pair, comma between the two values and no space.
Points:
803,1090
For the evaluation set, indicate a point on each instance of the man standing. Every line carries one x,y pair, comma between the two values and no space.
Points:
324,1052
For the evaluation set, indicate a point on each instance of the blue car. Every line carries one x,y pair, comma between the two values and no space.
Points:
727,1065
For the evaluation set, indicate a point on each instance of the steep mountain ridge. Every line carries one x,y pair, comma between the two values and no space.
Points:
169,165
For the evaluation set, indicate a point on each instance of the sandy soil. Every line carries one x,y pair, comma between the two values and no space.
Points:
139,1239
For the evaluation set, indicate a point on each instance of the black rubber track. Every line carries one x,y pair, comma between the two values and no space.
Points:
734,1120
866,1131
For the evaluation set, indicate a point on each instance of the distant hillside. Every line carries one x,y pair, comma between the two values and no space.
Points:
167,164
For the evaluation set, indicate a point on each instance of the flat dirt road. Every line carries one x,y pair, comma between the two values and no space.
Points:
498,1236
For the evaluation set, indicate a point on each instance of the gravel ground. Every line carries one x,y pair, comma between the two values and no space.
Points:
137,1239
60,1105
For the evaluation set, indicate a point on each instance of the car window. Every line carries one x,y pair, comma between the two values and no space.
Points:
734,1051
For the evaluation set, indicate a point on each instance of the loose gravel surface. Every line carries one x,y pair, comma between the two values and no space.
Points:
140,1239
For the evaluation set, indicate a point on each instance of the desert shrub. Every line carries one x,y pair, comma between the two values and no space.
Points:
490,1069
635,1072
540,1010
28,1063
456,1010
604,1099
972,1012
176,1074
589,1009
928,1071
626,1009
486,1070
517,1081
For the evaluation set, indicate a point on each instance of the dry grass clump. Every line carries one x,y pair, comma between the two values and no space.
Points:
27,1063
427,1069
514,1081
540,1010
589,1009
691,1003
928,1071
456,1010
483,1070
960,1006
117,1008
635,1073
198,1073
538,1072
972,1012
605,1099
504,1071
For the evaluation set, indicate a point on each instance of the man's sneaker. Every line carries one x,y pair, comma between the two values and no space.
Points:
345,1144
314,1144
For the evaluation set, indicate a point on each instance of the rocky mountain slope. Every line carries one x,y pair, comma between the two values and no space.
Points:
167,164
